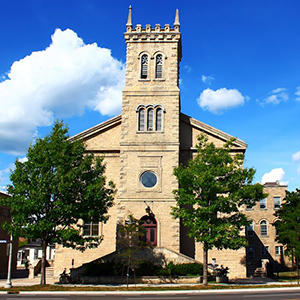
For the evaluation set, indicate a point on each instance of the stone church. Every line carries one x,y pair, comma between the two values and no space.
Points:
143,145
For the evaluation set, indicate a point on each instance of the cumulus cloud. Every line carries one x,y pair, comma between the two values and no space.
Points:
61,81
207,79
278,95
296,156
273,176
220,100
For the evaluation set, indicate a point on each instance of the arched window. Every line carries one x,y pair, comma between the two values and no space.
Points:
158,119
150,119
144,66
150,225
141,125
158,66
263,228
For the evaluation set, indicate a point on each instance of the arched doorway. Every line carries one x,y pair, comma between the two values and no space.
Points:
150,225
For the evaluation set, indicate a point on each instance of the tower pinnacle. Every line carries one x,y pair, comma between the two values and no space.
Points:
176,23
129,20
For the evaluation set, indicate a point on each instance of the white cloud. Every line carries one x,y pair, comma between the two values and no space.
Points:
297,93
278,95
220,100
296,156
187,68
278,90
60,81
207,79
273,176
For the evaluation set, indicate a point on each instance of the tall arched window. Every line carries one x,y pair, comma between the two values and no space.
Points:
150,119
144,66
263,228
158,119
141,119
158,66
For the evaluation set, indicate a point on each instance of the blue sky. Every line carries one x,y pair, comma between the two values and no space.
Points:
240,71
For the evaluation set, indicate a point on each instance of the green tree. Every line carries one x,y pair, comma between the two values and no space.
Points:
212,190
59,186
131,238
288,226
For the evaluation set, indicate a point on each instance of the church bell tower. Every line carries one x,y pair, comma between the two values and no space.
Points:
149,144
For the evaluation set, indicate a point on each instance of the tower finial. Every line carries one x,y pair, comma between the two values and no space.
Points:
129,20
176,23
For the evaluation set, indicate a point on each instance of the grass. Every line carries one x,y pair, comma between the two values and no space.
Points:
286,276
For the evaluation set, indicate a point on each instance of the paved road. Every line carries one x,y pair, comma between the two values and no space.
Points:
272,294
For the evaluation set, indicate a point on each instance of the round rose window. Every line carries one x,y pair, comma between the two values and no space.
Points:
148,179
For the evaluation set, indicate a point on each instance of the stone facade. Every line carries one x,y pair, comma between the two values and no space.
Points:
143,145
263,247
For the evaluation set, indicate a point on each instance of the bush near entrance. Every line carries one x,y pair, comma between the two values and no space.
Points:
145,269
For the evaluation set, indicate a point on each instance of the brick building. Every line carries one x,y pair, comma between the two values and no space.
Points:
263,247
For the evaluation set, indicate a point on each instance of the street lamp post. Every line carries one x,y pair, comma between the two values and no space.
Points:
8,284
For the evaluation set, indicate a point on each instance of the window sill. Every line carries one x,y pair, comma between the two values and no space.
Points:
159,79
146,79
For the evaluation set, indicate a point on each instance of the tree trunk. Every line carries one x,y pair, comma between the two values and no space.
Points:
43,268
297,262
205,261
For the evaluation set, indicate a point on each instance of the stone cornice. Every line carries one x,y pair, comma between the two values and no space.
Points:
213,131
106,125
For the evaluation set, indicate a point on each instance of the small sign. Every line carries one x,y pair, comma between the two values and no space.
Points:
3,241
213,262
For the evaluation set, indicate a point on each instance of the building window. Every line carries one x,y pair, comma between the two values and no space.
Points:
159,119
249,230
264,250
263,203
148,179
158,66
91,229
144,66
277,202
250,252
263,228
150,119
141,119
279,250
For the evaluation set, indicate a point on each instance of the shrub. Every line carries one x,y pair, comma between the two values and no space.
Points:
145,269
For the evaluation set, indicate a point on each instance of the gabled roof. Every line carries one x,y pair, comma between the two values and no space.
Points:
212,131
106,125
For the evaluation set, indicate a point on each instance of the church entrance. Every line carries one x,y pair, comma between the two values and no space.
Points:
150,225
